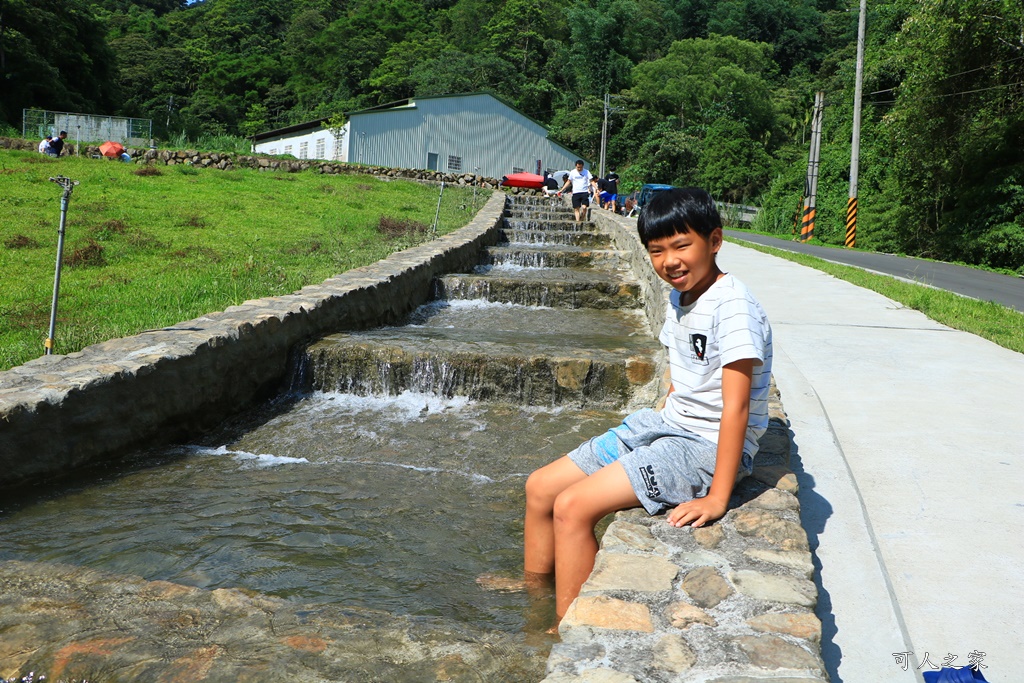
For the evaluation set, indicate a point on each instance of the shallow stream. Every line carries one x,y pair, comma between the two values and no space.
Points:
384,481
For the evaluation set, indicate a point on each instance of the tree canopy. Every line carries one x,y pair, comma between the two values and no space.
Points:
709,92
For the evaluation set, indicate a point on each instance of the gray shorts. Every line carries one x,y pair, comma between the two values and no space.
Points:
666,465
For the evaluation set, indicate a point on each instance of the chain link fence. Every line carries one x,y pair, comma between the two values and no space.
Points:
86,128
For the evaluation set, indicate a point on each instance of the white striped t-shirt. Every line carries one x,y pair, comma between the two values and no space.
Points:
724,325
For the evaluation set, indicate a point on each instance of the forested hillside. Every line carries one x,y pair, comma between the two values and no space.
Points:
716,93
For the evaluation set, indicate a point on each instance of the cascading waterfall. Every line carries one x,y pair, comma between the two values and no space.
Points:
389,478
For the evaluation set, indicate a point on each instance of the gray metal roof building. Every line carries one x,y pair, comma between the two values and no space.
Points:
469,133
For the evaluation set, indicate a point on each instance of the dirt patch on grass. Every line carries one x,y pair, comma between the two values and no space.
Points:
90,207
206,253
88,255
28,315
109,229
20,242
400,227
363,187
193,222
148,170
304,249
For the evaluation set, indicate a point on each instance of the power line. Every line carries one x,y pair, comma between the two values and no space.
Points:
946,78
952,94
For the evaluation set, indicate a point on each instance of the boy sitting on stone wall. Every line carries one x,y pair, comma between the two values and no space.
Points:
687,457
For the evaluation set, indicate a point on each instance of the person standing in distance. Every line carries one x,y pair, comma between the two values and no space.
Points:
580,179
57,144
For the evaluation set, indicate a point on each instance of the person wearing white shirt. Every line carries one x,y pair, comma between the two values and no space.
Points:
580,179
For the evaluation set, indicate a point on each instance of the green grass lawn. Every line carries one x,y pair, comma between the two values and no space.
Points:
147,251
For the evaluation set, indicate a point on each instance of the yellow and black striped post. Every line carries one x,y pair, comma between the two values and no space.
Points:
811,186
851,223
807,227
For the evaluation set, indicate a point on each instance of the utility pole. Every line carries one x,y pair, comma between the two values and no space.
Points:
604,131
604,136
811,186
851,204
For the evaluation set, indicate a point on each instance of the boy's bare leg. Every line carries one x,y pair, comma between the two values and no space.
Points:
577,510
542,488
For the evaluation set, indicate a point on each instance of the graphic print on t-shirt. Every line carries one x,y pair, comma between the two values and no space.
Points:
699,344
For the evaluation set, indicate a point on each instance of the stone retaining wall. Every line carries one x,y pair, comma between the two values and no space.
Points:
732,602
227,162
62,412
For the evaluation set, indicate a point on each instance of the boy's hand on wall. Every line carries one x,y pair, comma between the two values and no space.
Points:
697,512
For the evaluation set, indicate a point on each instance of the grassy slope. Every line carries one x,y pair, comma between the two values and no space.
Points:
143,252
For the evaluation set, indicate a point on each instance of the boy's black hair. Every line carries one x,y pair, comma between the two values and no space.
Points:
578,162
680,209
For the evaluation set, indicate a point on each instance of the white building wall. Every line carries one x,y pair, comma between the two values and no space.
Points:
307,145
476,133
461,133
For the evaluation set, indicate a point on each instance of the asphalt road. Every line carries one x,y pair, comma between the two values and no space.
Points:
1007,290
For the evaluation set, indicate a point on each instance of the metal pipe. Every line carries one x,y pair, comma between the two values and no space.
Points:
437,214
68,184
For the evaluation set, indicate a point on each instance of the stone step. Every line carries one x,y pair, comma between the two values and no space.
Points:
552,256
606,329
486,366
570,237
568,225
555,287
542,214
523,201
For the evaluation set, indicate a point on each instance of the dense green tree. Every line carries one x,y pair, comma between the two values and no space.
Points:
393,78
711,92
597,54
451,71
733,166
956,125
54,55
464,24
699,77
792,28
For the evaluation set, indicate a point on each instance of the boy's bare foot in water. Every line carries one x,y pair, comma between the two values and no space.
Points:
540,588
503,584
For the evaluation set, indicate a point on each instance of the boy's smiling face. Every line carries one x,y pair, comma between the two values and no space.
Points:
686,260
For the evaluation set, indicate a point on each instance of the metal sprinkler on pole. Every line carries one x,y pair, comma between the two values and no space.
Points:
476,182
437,214
68,184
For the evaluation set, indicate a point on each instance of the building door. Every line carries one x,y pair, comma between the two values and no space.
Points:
431,161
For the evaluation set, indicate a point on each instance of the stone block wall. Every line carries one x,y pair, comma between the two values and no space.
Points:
62,412
227,161
732,602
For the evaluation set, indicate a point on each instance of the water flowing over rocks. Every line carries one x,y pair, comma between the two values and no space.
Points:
74,623
729,603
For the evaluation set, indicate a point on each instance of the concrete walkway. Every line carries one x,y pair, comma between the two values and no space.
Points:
909,439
